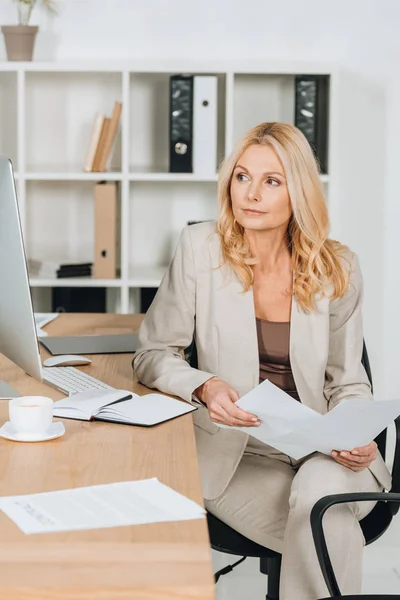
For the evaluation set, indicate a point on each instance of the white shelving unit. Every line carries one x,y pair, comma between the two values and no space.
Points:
46,116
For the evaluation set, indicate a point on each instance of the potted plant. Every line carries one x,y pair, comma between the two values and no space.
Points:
20,39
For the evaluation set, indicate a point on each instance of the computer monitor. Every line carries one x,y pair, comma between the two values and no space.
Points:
18,339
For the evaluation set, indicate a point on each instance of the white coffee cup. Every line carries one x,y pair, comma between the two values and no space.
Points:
31,414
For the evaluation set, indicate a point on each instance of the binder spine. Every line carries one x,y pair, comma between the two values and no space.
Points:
105,211
181,124
205,125
311,113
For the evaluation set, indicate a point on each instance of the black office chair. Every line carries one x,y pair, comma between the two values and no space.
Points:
225,539
387,508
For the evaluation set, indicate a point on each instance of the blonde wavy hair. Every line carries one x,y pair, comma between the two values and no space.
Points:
317,261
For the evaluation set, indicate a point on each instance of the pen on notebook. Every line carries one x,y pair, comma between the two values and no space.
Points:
127,397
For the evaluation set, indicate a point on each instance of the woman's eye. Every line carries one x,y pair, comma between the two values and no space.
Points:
272,181
241,177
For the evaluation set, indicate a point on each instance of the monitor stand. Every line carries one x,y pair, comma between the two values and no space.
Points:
7,392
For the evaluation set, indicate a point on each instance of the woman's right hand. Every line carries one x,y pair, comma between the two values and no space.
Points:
220,399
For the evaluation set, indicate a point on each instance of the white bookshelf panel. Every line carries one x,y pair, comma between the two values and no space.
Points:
158,212
60,221
41,282
149,126
149,175
261,98
149,121
72,176
60,113
8,117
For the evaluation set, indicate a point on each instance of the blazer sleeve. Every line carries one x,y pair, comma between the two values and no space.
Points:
345,374
168,329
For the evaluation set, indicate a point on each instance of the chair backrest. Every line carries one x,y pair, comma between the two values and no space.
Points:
381,438
191,354
378,520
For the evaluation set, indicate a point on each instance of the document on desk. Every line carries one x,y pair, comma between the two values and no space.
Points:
297,430
99,506
42,319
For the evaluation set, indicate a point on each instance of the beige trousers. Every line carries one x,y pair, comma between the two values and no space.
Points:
269,500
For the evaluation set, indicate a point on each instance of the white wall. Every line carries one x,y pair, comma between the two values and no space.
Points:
391,208
348,30
363,34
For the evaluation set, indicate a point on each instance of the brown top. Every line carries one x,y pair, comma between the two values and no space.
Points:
273,349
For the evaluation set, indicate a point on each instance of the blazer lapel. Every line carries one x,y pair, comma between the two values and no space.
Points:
237,333
309,346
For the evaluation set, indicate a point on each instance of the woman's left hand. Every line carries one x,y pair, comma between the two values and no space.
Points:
357,459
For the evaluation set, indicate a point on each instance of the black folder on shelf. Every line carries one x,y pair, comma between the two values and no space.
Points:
312,113
91,344
181,124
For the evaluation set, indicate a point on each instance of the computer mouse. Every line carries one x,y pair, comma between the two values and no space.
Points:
66,360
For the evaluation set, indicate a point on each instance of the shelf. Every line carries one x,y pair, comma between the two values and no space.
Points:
137,176
171,177
143,276
47,117
74,282
133,176
71,176
171,65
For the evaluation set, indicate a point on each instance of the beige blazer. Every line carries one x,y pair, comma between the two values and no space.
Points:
196,298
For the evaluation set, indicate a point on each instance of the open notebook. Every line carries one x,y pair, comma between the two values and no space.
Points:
121,406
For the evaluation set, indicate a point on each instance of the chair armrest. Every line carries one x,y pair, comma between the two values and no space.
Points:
396,465
316,516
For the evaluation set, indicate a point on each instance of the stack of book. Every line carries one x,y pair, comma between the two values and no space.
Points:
102,140
75,270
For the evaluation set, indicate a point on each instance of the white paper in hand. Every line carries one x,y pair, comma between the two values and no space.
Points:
297,430
279,414
351,424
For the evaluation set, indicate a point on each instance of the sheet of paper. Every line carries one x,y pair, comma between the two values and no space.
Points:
110,505
42,319
353,423
297,430
279,414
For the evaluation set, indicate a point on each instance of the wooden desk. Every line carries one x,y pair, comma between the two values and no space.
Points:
161,561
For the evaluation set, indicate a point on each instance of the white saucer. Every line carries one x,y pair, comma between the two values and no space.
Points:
55,430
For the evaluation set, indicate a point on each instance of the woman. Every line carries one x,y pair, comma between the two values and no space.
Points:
266,294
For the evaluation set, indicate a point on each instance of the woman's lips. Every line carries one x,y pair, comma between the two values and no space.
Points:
249,211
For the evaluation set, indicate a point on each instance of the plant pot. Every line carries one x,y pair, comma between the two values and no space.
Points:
20,41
